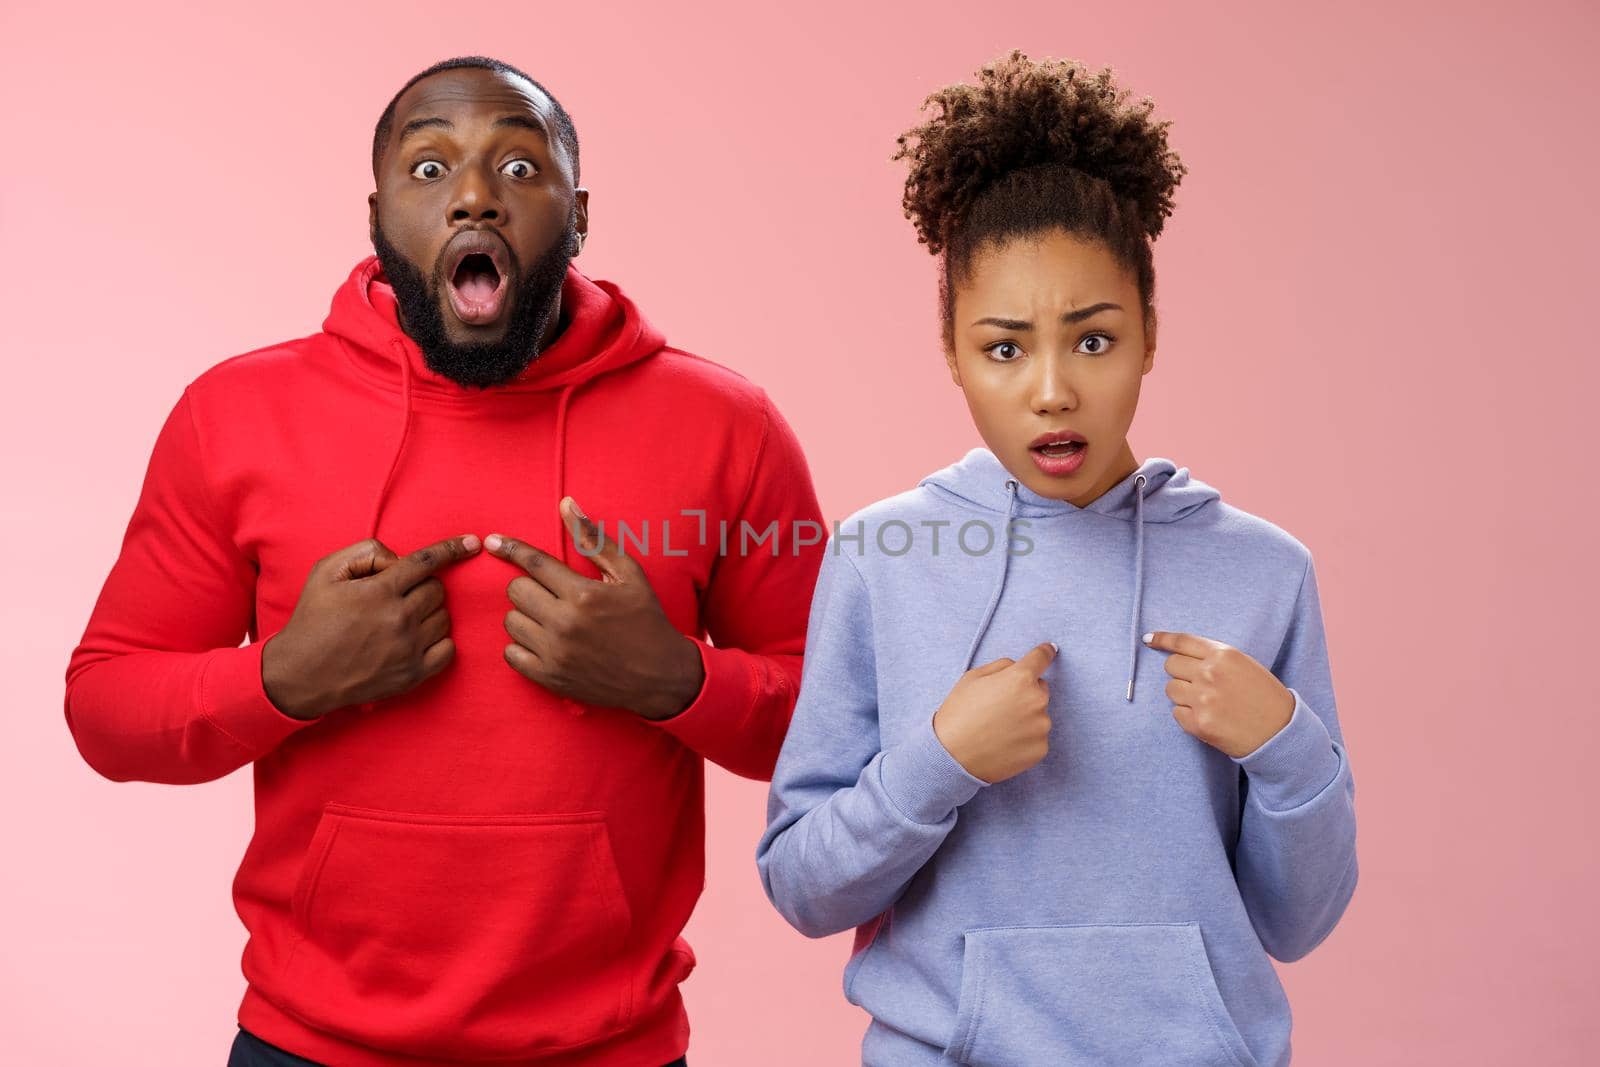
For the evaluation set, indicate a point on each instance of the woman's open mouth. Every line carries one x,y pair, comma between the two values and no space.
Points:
477,286
1058,454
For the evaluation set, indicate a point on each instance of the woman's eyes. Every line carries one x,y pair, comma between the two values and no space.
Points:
1104,342
429,169
1094,344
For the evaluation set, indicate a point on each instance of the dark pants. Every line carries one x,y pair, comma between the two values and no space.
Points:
250,1051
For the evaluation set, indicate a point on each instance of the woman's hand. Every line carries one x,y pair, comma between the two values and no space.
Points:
1220,695
996,720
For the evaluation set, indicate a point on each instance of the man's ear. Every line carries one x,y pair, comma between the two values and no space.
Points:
582,209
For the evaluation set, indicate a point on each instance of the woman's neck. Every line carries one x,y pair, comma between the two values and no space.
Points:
1124,465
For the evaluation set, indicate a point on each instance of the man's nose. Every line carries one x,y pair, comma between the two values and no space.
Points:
477,196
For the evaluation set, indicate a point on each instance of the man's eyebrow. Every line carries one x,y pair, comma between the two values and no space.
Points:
519,121
421,124
523,122
1069,318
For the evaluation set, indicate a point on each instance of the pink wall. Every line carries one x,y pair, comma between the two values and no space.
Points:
1371,335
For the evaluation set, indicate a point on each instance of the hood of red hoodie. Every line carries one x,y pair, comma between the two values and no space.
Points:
604,331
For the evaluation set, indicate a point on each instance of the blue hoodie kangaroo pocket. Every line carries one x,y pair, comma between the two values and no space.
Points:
1095,996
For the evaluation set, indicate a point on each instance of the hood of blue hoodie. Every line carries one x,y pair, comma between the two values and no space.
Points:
1158,491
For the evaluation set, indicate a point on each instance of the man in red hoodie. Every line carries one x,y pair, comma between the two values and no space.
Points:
478,750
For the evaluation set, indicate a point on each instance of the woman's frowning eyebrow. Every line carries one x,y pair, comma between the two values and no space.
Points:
1069,318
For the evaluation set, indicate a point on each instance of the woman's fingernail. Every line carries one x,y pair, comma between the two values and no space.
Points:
470,542
492,542
1149,637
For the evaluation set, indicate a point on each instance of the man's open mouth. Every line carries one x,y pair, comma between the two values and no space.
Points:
478,282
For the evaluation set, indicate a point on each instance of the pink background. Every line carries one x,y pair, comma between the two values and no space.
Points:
1371,299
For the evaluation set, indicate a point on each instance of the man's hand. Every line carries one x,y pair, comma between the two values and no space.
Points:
369,624
604,642
996,720
1221,695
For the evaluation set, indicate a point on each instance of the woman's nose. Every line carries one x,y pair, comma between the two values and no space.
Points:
1051,386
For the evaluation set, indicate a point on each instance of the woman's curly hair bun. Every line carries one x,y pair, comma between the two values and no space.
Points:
1022,114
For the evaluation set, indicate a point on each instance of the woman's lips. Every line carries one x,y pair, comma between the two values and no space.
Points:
1059,459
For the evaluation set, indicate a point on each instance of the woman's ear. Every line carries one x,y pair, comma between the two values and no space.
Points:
947,334
1149,341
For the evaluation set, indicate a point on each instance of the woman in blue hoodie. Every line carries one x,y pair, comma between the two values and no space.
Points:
1066,753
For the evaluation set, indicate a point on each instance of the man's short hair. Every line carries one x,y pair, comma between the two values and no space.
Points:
565,131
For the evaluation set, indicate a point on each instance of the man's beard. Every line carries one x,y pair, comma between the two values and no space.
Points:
479,363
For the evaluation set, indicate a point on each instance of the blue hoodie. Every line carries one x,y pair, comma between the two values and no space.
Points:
1117,903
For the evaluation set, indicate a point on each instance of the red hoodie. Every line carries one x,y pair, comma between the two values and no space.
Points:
477,870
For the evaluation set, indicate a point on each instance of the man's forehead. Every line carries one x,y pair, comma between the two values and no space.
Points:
455,91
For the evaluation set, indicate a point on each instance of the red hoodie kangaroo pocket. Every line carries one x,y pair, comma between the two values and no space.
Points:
460,936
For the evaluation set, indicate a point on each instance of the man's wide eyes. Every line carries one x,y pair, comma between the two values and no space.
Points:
429,169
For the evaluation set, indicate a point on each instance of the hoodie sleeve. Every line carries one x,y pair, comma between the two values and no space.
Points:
158,688
1296,861
849,823
754,609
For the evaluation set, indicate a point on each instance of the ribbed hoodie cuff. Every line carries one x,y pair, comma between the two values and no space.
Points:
234,700
726,693
1295,764
923,780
